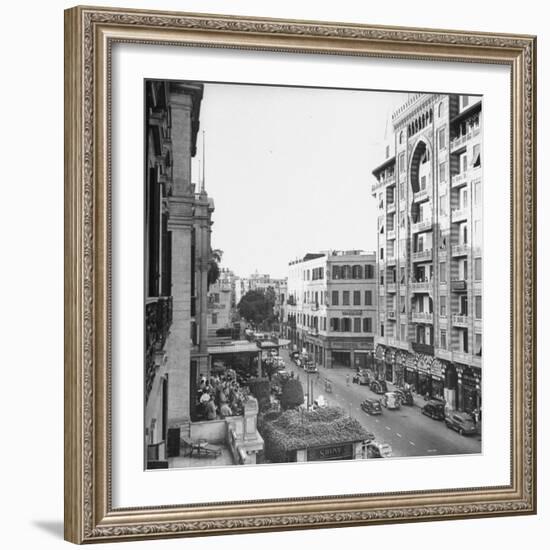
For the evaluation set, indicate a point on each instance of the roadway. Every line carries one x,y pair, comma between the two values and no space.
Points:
407,430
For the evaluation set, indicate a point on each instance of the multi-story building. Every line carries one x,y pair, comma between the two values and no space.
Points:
429,196
331,307
177,249
219,306
280,308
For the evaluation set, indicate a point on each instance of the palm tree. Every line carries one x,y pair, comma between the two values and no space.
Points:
214,266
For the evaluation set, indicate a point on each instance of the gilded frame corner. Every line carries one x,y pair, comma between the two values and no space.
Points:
89,34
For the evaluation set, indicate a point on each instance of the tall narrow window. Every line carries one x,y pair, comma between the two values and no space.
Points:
368,297
345,298
443,339
442,171
478,307
335,298
477,269
356,297
357,324
443,272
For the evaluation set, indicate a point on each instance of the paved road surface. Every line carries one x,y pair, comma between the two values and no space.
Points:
407,430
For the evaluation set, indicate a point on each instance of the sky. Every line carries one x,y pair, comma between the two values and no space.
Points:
290,170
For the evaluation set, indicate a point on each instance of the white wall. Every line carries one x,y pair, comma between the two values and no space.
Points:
32,268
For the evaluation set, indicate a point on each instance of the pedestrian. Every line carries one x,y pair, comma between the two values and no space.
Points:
347,379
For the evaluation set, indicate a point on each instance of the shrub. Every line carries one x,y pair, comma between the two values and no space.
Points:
260,388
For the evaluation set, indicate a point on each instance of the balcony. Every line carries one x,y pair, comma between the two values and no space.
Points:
423,286
422,317
390,235
390,207
421,196
390,314
392,288
419,347
460,320
460,249
424,225
459,214
458,285
422,255
461,141
458,180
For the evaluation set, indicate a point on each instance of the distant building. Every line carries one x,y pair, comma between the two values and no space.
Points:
219,306
331,307
429,195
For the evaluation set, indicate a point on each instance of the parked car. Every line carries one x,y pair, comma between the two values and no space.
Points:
379,386
434,409
391,400
371,406
462,422
311,368
405,395
377,449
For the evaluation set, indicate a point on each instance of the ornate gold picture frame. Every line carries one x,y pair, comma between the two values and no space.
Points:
90,34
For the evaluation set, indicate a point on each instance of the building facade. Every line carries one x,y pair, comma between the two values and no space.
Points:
429,282
331,307
178,220
219,306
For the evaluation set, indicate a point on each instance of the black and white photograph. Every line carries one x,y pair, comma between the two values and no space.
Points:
313,274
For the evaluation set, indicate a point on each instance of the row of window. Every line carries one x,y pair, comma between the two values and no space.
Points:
353,272
337,324
347,296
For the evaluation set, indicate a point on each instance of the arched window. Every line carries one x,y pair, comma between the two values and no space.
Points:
346,272
336,273
401,137
357,272
440,110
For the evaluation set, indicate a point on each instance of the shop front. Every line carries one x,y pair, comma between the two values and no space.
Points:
341,358
379,360
389,357
471,389
424,363
411,373
363,359
399,368
437,371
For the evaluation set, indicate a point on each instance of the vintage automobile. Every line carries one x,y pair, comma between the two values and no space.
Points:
371,406
379,386
405,395
391,400
434,409
377,449
462,422
364,377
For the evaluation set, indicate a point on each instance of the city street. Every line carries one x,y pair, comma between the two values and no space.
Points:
408,431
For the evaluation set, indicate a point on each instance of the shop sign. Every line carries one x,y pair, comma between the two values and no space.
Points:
330,452
437,369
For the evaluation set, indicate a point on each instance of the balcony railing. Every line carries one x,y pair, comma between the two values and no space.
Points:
390,314
422,255
460,320
420,196
422,317
458,285
391,207
460,249
424,225
390,235
461,141
392,287
423,286
458,180
459,214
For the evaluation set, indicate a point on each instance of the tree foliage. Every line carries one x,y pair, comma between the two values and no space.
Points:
256,306
214,266
260,388
292,395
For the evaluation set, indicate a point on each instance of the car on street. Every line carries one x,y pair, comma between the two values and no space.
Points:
391,400
377,449
371,406
434,409
379,386
461,422
311,368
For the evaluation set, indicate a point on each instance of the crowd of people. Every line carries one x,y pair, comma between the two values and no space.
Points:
220,396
